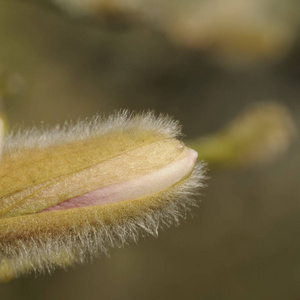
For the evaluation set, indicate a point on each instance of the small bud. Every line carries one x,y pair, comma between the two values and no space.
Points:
258,135
68,193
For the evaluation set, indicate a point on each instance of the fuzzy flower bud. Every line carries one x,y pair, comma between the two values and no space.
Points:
69,193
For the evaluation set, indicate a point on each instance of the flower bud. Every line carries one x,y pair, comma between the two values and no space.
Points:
258,135
69,193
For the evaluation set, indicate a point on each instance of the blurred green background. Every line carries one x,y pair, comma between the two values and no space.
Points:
242,242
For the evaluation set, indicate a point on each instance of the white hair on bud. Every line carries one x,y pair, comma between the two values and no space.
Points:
99,125
36,255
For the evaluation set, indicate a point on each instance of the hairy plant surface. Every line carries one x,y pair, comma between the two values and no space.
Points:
69,193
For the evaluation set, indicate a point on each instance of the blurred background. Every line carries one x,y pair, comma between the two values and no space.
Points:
202,62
